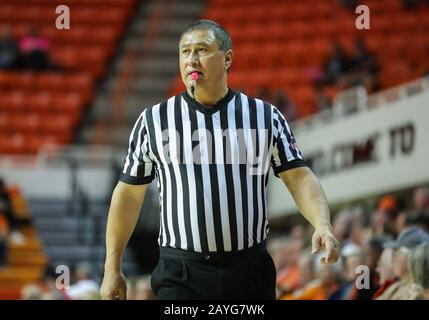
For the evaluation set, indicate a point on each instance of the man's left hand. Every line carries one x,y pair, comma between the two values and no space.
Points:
324,238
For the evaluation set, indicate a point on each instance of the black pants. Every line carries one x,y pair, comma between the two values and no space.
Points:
183,275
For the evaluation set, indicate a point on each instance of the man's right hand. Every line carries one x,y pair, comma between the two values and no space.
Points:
114,286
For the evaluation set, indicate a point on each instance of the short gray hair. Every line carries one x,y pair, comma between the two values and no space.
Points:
418,264
222,36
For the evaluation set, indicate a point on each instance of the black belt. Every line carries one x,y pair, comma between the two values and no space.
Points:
211,257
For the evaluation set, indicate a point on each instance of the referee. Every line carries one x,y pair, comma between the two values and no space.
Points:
210,149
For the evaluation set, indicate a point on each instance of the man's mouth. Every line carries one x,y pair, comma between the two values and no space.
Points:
195,73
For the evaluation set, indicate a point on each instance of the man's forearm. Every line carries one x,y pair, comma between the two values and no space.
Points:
310,198
123,215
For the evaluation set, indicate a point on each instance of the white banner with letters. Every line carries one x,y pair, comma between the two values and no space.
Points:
373,152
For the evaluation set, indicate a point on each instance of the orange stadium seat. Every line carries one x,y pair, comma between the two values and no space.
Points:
40,102
59,126
20,30
276,30
95,16
395,74
384,7
4,122
22,81
12,102
50,81
34,15
79,82
304,98
12,144
88,58
289,77
70,105
33,143
299,29
81,55
26,123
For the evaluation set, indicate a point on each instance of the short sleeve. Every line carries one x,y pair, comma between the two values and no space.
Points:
138,167
286,153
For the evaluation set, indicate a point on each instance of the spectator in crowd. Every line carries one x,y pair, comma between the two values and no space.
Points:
352,224
404,289
373,249
360,225
418,264
418,219
84,288
359,69
3,241
342,225
322,100
49,288
34,50
349,4
305,268
363,68
411,218
6,210
9,53
411,4
288,276
385,272
362,58
275,248
264,94
327,284
384,220
285,105
131,288
31,292
421,198
143,291
353,257
336,65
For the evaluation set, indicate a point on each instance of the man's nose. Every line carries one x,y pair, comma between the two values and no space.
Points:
193,59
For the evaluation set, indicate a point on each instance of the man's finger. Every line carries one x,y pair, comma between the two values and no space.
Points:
315,244
107,296
332,251
122,294
330,244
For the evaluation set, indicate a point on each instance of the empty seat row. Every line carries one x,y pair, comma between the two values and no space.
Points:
126,3
29,144
37,14
35,123
30,81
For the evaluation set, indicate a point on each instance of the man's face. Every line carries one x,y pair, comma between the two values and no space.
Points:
384,266
421,198
199,51
400,266
350,266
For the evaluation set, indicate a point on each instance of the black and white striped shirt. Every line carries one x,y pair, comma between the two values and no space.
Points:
212,166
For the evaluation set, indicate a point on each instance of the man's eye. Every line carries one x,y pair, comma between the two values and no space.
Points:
186,51
202,49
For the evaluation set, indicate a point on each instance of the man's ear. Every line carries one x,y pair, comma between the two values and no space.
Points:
228,59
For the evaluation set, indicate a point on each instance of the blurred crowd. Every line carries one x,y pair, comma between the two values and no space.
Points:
81,285
350,70
10,224
341,70
31,52
384,255
406,4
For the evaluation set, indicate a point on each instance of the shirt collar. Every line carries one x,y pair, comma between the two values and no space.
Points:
212,109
